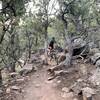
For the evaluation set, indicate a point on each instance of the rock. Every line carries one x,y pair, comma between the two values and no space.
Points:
15,88
70,94
80,46
61,72
8,90
59,81
87,91
79,42
67,95
23,91
20,80
83,69
64,95
92,45
27,69
6,85
97,63
58,72
65,89
51,78
95,57
37,85
14,74
93,51
76,87
95,77
75,99
79,80
37,75
21,62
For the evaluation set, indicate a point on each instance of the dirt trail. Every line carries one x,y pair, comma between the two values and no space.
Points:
40,89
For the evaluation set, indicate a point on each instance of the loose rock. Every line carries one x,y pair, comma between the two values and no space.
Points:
65,89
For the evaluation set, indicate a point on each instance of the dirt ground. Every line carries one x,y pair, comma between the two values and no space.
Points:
39,88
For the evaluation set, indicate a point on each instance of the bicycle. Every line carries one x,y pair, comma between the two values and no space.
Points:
52,54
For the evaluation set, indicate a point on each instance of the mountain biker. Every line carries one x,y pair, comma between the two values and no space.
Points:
51,44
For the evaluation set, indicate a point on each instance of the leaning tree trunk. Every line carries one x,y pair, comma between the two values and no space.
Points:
68,39
70,47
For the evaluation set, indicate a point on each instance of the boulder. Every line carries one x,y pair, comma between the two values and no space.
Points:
21,80
87,93
13,74
27,69
95,57
95,77
16,88
80,46
65,89
21,62
97,63
68,96
79,42
8,90
93,51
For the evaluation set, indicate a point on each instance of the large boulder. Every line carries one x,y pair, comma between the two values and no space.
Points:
79,42
80,46
95,57
93,51
97,63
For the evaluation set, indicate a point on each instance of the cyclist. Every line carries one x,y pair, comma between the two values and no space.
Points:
51,44
51,47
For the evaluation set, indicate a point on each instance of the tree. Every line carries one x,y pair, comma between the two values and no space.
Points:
32,31
10,14
77,13
45,13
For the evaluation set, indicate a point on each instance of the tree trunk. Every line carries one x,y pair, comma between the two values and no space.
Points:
70,47
68,39
12,67
0,77
46,46
29,53
29,48
36,41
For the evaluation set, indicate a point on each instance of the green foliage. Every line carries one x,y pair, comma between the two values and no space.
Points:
29,29
15,6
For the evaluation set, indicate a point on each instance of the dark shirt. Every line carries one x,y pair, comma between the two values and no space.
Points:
51,44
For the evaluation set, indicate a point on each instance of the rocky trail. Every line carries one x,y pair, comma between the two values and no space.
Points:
66,86
39,88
